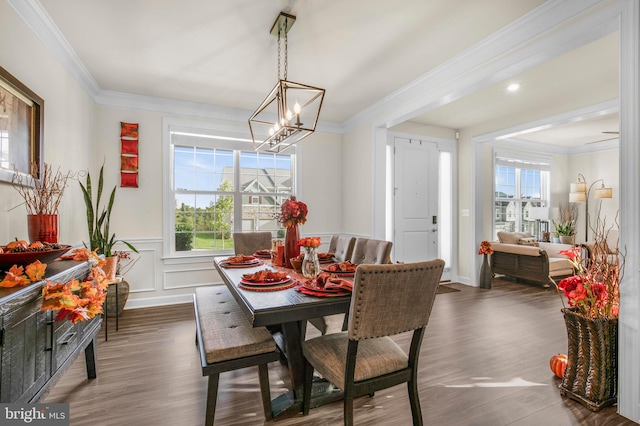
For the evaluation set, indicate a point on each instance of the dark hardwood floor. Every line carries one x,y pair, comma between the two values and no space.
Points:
484,361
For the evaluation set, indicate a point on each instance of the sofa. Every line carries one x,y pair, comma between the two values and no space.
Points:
519,255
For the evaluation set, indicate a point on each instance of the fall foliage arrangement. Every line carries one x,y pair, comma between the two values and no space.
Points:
74,300
594,289
309,242
293,212
485,248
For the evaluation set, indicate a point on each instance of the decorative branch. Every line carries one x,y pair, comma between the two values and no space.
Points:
44,196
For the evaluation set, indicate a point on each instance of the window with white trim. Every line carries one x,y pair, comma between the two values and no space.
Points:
521,181
219,186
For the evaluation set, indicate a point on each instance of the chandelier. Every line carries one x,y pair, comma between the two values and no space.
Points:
290,112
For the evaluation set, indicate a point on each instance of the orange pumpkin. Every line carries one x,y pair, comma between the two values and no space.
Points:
17,244
558,364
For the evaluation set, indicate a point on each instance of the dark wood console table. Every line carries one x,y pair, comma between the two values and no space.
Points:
34,349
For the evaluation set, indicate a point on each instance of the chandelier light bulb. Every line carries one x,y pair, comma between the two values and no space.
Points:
271,131
289,115
296,108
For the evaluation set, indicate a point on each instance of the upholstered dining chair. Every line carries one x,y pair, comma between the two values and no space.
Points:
342,247
248,243
370,251
367,251
386,300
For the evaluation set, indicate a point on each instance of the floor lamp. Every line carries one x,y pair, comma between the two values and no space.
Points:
580,194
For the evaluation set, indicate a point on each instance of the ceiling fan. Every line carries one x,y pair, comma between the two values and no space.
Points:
607,139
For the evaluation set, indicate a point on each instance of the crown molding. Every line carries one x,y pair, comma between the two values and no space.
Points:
509,136
192,109
580,114
523,145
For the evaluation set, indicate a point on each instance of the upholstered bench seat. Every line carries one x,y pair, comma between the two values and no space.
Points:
226,333
227,341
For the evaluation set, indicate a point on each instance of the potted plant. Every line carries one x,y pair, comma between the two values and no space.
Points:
565,231
98,221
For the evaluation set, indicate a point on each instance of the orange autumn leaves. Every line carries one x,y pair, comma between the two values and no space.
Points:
78,301
75,301
19,275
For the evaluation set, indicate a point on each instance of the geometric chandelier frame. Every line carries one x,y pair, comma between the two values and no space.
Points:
290,112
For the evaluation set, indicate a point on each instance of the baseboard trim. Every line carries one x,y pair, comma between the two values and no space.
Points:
150,302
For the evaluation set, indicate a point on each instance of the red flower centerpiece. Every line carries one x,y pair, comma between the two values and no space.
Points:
292,214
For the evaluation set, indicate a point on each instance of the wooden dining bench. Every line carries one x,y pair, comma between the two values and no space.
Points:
227,341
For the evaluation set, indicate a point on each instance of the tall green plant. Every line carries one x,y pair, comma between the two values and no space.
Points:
98,218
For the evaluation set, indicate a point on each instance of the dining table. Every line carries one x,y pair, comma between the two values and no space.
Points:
286,310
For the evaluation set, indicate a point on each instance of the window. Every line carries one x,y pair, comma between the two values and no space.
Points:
219,186
521,182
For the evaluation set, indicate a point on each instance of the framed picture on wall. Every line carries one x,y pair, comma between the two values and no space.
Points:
21,129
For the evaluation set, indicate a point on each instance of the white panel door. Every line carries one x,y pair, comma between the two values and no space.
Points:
416,200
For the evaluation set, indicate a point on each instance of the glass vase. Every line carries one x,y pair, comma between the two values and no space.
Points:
310,263
291,247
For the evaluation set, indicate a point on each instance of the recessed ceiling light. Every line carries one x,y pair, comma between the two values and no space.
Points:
513,87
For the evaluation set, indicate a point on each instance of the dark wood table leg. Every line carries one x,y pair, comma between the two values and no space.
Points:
90,358
106,319
117,306
290,404
294,333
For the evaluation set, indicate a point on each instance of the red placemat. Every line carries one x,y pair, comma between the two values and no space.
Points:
276,287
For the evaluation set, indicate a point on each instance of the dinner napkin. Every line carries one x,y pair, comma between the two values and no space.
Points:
332,282
338,284
240,259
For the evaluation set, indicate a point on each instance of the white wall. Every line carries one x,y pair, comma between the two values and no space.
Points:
599,165
69,123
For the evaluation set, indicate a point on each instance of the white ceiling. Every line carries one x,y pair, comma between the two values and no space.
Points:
221,53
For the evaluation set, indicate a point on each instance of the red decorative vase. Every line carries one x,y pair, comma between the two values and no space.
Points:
43,228
291,247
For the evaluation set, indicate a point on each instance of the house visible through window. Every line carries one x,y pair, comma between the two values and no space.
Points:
221,186
520,183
